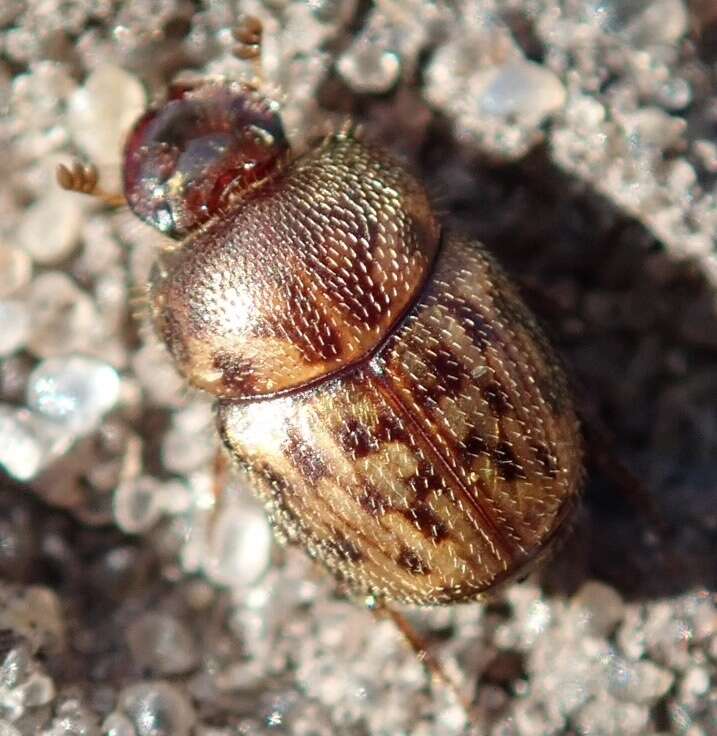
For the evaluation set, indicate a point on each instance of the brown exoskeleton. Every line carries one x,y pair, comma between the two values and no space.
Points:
391,399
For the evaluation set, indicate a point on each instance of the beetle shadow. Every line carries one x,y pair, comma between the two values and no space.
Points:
637,330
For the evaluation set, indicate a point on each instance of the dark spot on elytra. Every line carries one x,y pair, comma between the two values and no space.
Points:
372,501
355,439
497,398
424,481
447,371
237,373
305,458
472,320
278,483
343,549
410,560
546,459
475,445
390,429
508,466
427,521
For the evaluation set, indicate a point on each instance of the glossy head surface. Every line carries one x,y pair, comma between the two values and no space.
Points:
183,158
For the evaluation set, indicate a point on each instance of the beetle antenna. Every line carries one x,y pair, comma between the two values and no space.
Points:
84,178
248,35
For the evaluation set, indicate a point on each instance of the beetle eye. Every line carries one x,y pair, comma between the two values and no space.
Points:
183,158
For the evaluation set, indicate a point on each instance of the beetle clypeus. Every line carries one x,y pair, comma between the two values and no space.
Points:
391,399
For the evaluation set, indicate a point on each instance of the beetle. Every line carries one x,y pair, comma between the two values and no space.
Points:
378,378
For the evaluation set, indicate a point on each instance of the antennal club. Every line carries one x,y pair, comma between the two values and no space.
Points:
248,35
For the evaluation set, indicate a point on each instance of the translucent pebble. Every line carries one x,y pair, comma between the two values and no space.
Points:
157,375
157,709
7,729
34,613
662,22
240,545
695,683
183,452
15,321
14,667
608,717
137,504
73,391
28,443
117,724
368,68
50,227
63,317
15,270
638,682
37,690
72,719
102,111
519,89
162,644
599,606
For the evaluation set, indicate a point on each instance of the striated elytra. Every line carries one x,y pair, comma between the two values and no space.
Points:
379,380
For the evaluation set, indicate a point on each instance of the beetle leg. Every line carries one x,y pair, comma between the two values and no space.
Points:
84,178
425,656
220,475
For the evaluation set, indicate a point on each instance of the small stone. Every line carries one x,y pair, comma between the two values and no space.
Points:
137,504
158,376
7,729
15,270
37,690
15,321
695,683
162,644
183,452
599,606
63,317
117,724
662,22
607,717
72,719
638,682
240,545
73,391
15,667
102,111
368,68
50,228
34,613
520,90
157,709
29,442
